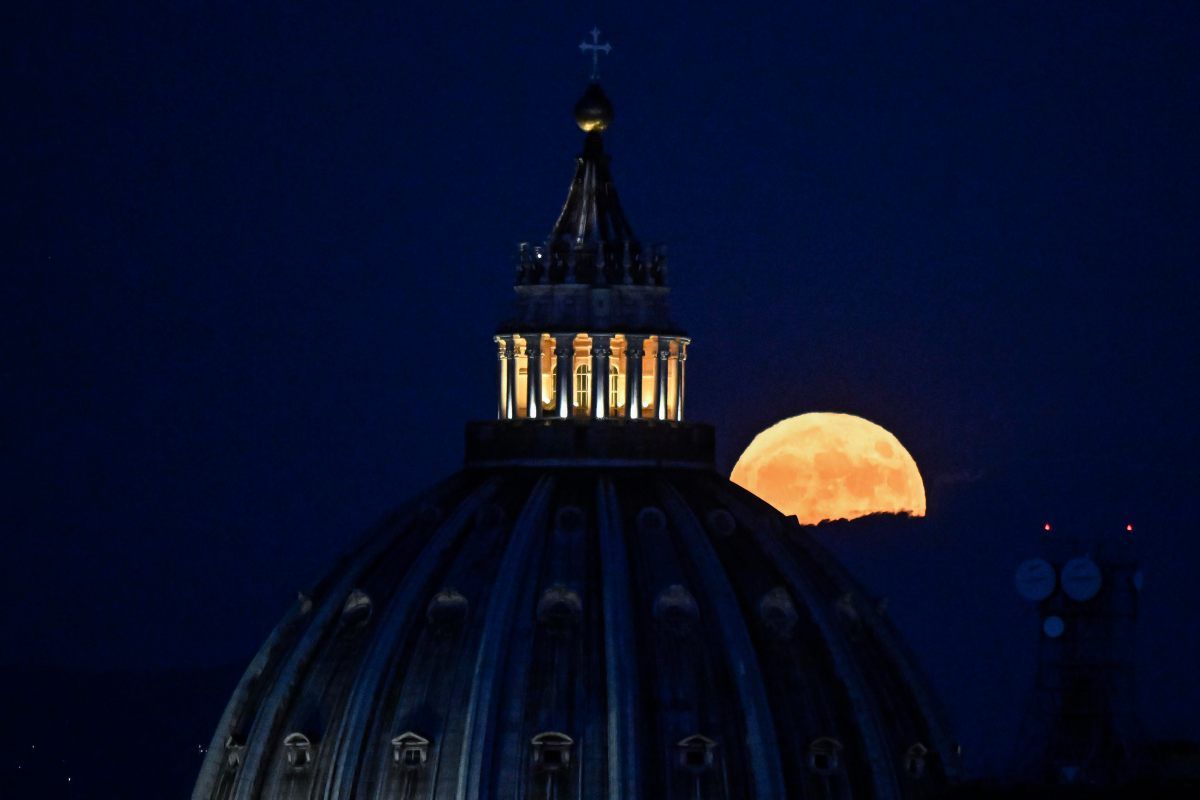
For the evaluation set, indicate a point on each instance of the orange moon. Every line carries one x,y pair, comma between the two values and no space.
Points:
825,466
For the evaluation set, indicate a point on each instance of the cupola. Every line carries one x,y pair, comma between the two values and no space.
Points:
587,610
591,336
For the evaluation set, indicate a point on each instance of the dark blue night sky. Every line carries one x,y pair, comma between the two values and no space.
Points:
255,253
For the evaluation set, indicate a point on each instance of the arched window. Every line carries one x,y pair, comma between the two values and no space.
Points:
615,395
552,751
550,392
298,749
583,385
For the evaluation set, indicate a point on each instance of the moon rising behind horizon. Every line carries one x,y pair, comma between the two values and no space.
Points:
825,466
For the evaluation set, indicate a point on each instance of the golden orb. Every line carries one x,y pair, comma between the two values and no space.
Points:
593,112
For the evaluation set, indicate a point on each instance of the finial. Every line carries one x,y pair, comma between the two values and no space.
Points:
593,112
596,49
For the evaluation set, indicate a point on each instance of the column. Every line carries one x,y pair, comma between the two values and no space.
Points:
600,353
633,376
660,377
501,358
564,354
533,375
510,344
680,360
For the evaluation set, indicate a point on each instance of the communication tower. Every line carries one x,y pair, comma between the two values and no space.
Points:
1081,725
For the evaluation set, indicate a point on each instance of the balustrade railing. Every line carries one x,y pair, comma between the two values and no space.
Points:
592,263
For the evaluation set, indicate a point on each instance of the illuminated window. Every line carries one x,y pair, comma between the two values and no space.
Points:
550,390
615,394
583,384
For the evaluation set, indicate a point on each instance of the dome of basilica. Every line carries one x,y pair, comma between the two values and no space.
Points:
587,609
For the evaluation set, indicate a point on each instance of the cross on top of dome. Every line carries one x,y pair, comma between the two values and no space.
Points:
596,49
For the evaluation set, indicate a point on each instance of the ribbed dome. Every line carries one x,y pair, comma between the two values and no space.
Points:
582,632
587,610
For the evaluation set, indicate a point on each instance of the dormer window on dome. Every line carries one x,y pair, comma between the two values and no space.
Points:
552,751
298,749
696,753
410,751
824,755
914,760
235,743
592,336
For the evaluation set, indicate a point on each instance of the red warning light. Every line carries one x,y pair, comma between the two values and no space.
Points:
1046,527
1129,528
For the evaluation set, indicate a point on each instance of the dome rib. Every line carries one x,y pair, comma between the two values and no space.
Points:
481,707
592,211
761,745
865,710
265,730
620,668
914,681
531,699
668,631
402,610
440,661
210,774
266,662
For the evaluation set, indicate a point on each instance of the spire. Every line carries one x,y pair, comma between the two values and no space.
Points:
592,212
592,242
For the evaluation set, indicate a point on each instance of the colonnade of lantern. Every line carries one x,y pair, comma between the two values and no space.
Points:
601,376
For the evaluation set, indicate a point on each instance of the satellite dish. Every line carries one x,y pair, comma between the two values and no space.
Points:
1081,578
1053,627
1035,579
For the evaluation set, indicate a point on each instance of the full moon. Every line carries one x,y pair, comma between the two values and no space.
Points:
825,466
